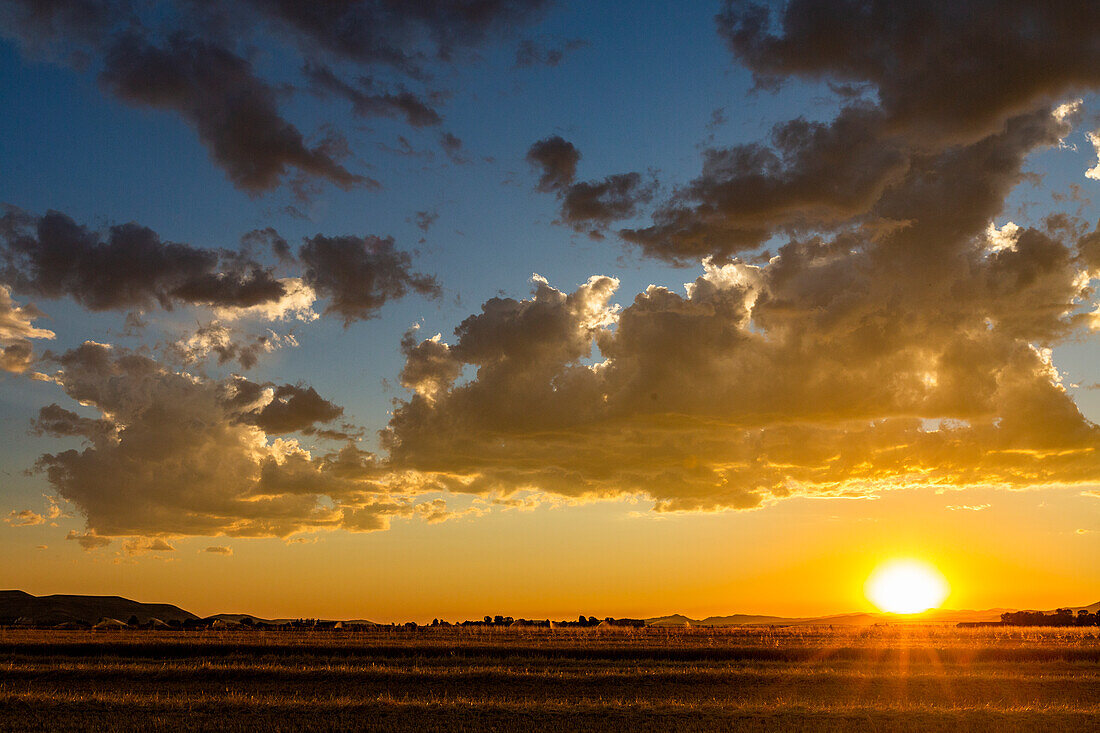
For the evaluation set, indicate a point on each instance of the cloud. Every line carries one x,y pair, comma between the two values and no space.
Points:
425,219
233,111
228,345
130,267
219,550
187,455
88,540
191,58
289,408
40,25
367,101
24,518
1094,139
557,160
142,545
55,421
267,238
814,374
295,304
945,72
947,76
590,206
535,53
359,274
452,146
401,35
16,331
813,176
53,511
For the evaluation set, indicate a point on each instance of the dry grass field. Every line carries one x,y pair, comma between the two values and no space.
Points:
882,678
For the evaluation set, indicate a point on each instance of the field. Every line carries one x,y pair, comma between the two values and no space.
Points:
880,678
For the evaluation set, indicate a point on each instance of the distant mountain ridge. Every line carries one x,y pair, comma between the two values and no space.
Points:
241,617
844,619
19,607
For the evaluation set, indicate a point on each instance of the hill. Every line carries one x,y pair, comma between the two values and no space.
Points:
741,619
946,616
241,617
17,606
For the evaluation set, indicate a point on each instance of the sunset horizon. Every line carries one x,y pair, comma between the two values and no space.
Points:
408,311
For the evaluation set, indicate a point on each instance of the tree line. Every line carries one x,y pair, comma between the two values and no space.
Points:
1061,617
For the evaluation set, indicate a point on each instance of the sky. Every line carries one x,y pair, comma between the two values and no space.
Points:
402,311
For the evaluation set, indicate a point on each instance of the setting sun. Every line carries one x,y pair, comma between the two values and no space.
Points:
906,586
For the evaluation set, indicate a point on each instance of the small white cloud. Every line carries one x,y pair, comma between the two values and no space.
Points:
1094,172
1067,109
1003,238
967,507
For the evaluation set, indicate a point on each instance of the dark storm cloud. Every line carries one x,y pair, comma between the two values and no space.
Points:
591,206
232,109
947,75
945,70
56,421
588,206
367,101
557,161
359,274
814,175
130,267
190,57
293,408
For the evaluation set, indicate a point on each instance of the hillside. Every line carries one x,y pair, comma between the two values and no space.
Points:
18,606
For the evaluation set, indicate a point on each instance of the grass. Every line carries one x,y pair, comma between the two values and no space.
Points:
882,678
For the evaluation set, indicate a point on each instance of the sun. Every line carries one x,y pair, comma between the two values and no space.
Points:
906,586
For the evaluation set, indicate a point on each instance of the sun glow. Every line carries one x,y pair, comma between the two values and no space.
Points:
906,586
